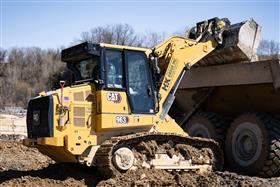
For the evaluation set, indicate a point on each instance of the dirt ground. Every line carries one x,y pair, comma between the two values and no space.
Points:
22,166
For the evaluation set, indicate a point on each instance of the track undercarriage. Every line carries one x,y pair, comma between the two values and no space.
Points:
157,151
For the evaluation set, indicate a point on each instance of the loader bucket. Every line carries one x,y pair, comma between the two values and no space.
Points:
240,44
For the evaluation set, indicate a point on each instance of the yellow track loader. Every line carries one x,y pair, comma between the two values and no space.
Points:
114,115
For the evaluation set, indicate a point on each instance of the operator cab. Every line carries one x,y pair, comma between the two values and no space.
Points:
114,68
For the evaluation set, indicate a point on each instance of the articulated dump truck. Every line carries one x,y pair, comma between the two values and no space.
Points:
115,114
236,103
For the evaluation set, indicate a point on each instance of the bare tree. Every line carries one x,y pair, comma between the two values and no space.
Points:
269,49
3,54
27,71
120,34
151,39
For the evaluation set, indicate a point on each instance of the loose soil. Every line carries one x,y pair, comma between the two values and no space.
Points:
23,166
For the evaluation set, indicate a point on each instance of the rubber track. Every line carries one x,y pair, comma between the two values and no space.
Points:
104,153
272,164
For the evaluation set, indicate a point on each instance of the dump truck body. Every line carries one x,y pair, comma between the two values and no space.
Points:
238,105
237,87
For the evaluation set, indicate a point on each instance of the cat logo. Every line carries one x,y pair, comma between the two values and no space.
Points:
114,96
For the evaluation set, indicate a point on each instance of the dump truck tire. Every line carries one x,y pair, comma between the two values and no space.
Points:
207,125
253,145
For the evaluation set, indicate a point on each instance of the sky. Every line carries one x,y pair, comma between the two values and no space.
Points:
56,23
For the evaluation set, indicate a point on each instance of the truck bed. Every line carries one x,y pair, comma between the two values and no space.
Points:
235,88
260,72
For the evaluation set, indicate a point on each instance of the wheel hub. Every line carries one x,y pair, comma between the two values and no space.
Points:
246,143
123,158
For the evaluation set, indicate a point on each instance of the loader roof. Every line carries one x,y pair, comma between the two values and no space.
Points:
87,49
124,47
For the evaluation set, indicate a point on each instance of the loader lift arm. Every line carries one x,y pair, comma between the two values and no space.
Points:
176,55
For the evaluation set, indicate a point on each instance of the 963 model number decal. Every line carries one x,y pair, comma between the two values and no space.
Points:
122,119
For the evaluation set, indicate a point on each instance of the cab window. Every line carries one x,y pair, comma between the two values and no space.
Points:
87,67
139,83
114,69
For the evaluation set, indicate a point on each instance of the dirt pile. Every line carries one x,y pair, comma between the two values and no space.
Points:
22,166
15,156
25,166
53,175
163,178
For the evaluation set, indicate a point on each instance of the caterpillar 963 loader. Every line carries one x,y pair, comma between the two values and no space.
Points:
114,115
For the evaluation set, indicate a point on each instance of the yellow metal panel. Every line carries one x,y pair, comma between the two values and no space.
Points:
79,122
50,141
75,136
79,140
59,154
169,125
112,102
113,122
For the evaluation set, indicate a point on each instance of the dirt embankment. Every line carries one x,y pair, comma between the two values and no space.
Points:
22,166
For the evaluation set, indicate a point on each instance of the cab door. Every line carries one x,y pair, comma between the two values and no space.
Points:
113,98
139,83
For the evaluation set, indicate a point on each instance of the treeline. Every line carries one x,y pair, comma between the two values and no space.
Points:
122,34
24,72
269,49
